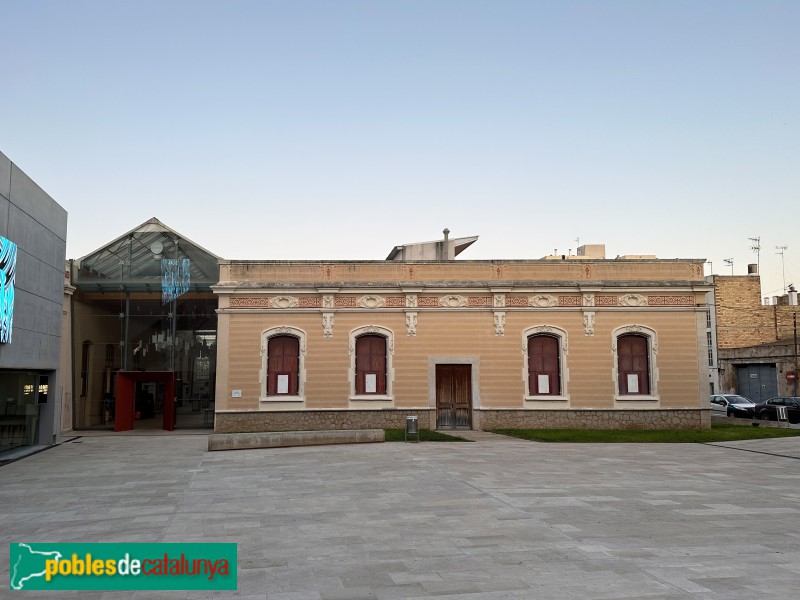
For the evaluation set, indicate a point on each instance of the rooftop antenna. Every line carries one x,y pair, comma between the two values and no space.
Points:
729,261
783,266
756,247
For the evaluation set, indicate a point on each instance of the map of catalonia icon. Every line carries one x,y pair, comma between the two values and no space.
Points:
27,564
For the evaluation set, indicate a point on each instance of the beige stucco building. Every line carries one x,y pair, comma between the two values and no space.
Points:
563,341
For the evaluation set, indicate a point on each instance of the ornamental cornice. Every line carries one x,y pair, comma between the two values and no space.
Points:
542,301
453,301
283,302
632,300
371,302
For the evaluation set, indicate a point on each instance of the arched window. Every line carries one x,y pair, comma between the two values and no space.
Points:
635,349
370,365
544,366
545,372
283,363
283,352
633,365
371,371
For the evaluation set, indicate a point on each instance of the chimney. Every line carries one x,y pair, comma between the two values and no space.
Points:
792,296
446,253
752,269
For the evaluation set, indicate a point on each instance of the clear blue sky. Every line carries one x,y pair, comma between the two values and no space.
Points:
296,129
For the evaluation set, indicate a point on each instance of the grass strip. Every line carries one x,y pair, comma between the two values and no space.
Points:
717,433
425,435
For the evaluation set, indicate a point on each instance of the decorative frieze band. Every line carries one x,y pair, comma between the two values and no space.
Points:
605,300
427,301
395,301
249,302
670,300
310,302
517,302
496,301
345,302
480,301
570,301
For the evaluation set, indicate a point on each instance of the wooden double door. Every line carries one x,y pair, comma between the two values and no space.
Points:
454,396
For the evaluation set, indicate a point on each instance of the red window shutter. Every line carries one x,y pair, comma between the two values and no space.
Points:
371,358
633,359
544,359
283,358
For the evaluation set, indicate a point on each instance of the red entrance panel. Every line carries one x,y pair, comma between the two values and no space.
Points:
123,411
125,406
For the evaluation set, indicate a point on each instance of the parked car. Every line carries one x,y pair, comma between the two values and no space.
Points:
732,405
768,411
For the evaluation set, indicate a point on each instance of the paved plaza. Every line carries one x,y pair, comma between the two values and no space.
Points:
497,519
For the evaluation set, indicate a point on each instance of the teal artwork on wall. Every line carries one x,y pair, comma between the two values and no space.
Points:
8,271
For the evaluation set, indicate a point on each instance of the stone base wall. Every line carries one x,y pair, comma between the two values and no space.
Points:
318,420
596,419
249,422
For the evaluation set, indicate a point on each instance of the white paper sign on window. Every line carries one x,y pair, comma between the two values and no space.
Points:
633,383
544,384
370,383
283,384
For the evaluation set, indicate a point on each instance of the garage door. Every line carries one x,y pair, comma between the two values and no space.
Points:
757,382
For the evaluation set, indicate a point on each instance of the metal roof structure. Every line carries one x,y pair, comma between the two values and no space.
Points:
133,261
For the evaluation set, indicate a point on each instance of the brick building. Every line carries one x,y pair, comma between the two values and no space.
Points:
755,351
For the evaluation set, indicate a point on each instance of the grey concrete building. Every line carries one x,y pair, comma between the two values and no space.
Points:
33,233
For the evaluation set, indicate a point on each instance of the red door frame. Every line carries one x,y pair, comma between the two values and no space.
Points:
125,406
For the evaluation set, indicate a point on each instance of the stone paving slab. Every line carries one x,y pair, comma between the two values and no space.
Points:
497,519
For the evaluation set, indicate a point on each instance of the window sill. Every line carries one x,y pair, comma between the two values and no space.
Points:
634,398
546,398
283,399
371,398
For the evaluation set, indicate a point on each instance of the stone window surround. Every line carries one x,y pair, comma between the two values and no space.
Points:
301,365
652,353
563,349
388,397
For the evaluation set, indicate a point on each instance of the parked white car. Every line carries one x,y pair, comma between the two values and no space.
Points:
732,405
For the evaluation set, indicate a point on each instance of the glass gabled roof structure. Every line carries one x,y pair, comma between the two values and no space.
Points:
132,262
